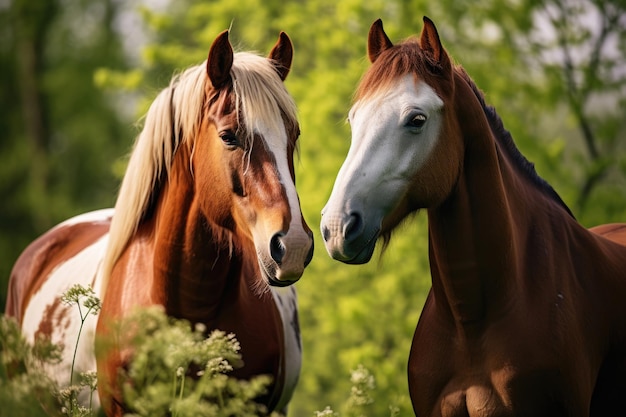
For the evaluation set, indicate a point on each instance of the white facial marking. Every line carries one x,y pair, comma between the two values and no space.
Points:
277,145
385,148
393,135
386,151
296,242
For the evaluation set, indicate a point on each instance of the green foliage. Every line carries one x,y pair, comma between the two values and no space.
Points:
158,383
177,371
60,133
25,388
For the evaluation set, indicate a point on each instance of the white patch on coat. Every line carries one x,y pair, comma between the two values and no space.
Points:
286,300
90,217
81,269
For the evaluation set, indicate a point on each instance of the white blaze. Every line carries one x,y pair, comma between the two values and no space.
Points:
385,154
297,242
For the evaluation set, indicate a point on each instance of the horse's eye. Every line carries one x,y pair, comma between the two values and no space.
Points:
417,121
229,139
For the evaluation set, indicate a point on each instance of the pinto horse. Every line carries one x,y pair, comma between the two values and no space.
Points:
207,221
526,314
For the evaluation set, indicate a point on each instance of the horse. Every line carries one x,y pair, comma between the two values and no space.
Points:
207,225
525,315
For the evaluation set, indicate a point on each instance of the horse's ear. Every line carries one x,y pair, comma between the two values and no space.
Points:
220,61
377,41
281,55
431,44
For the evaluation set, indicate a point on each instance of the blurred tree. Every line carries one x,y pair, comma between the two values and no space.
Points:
556,71
583,58
60,133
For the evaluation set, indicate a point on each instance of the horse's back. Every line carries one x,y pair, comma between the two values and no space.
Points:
615,232
610,384
42,259
66,255
612,245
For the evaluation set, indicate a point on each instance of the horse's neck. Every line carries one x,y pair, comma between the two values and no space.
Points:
474,234
193,276
195,261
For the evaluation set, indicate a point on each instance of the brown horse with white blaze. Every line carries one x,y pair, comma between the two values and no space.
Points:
526,314
207,224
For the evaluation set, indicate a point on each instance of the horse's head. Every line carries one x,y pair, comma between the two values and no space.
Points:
406,151
243,157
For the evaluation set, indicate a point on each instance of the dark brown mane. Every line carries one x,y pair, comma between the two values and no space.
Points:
504,138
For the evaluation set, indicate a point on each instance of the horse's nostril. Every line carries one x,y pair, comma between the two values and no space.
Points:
277,249
325,233
353,226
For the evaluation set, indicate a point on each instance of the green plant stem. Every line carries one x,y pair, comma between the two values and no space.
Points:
174,385
182,388
220,398
80,330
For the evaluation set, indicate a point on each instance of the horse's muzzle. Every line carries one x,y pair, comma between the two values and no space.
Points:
291,254
347,237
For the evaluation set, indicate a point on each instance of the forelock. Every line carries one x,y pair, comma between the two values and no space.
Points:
392,64
261,97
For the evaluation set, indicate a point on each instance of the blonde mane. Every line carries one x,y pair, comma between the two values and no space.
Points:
174,118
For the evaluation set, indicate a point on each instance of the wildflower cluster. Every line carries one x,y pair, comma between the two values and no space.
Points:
84,298
363,384
176,370
326,412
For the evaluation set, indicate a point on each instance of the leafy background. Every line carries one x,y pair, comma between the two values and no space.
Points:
76,74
